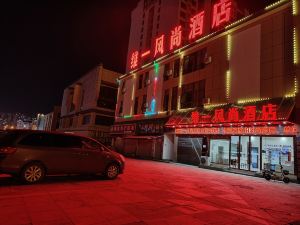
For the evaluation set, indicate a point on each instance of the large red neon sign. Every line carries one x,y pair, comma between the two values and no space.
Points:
176,37
196,25
269,112
235,114
222,14
159,45
134,60
250,113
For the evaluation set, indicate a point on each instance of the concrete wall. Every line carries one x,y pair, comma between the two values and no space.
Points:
244,64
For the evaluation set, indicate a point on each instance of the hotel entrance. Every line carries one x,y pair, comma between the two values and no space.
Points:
245,153
237,152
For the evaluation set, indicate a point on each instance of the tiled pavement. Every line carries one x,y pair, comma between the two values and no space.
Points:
151,193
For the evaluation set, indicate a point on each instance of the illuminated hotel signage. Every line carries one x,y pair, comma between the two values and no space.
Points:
259,130
249,113
260,113
222,14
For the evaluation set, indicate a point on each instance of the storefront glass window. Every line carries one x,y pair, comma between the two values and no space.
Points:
234,152
219,152
276,151
244,153
255,154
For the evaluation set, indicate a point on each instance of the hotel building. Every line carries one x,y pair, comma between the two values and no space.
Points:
221,92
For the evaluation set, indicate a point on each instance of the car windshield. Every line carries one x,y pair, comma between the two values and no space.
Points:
8,138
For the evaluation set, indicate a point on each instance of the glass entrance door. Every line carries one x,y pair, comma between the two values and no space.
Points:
255,154
234,152
244,152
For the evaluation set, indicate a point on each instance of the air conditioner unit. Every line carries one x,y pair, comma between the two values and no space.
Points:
204,161
169,72
207,60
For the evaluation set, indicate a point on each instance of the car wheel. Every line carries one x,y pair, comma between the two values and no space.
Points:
33,173
112,171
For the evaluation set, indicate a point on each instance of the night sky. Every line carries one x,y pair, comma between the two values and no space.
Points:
46,45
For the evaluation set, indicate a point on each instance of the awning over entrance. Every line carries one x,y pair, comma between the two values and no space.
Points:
263,112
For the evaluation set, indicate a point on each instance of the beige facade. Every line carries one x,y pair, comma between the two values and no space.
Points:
252,61
258,54
88,105
52,119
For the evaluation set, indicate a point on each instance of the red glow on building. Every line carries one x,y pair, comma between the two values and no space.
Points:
159,45
250,113
269,112
144,54
196,25
176,37
134,60
221,12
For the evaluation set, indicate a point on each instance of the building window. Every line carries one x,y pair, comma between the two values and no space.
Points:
104,120
176,67
276,151
194,61
140,81
166,101
136,105
192,94
219,152
174,98
86,119
146,80
167,71
144,104
82,98
107,97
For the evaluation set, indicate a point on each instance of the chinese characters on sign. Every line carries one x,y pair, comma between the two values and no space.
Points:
196,25
176,37
235,114
222,14
134,60
159,45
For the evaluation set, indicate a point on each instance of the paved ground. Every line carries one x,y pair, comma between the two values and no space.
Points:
151,193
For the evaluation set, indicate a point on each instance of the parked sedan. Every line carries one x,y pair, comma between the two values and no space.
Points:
33,154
